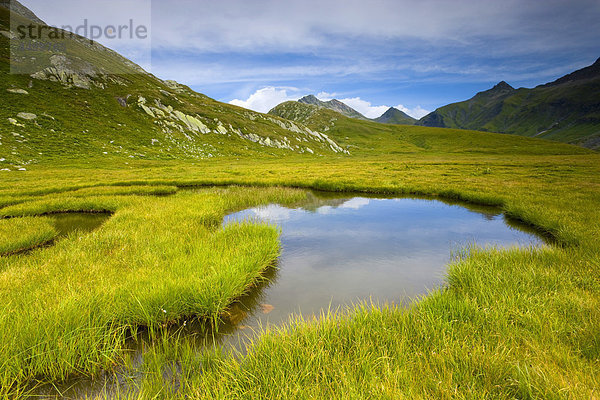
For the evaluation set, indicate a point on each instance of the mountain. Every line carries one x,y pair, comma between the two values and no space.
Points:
367,137
395,116
334,105
391,116
20,9
566,110
86,102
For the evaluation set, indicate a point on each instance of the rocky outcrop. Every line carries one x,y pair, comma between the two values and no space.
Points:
26,116
73,72
61,71
170,118
17,91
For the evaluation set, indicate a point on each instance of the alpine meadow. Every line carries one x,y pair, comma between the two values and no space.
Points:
118,273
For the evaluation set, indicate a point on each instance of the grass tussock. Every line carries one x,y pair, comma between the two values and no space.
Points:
19,234
462,341
67,309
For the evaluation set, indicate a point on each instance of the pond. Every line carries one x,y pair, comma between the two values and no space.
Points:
337,250
66,223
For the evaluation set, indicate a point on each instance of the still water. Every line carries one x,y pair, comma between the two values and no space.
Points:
66,223
340,251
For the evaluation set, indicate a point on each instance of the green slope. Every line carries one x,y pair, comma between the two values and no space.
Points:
372,138
72,108
566,110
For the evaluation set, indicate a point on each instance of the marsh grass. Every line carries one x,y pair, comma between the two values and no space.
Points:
533,336
518,323
20,234
67,309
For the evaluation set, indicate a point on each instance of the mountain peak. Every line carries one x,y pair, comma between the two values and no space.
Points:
395,116
310,99
500,89
334,105
502,85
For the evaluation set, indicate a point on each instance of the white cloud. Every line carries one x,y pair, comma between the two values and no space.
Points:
356,203
266,98
273,213
326,96
364,107
259,26
417,112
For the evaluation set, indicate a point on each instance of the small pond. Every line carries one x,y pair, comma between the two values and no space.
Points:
337,250
66,223
341,251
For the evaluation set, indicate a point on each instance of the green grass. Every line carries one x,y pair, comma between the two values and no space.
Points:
515,323
58,321
18,234
521,340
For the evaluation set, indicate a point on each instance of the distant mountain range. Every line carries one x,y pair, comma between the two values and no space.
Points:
74,105
391,116
566,110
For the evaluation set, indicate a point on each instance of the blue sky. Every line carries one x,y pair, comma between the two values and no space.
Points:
416,55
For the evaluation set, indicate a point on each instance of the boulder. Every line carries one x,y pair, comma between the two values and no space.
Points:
26,116
17,91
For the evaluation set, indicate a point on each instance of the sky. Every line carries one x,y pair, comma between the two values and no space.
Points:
415,55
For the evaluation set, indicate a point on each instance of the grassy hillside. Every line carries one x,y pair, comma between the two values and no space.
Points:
72,108
567,110
372,138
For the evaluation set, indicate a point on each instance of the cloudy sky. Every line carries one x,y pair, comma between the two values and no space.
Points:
416,55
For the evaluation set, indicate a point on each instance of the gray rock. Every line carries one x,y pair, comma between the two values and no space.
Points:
26,116
17,91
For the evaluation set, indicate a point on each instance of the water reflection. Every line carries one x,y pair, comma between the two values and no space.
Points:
339,251
67,223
